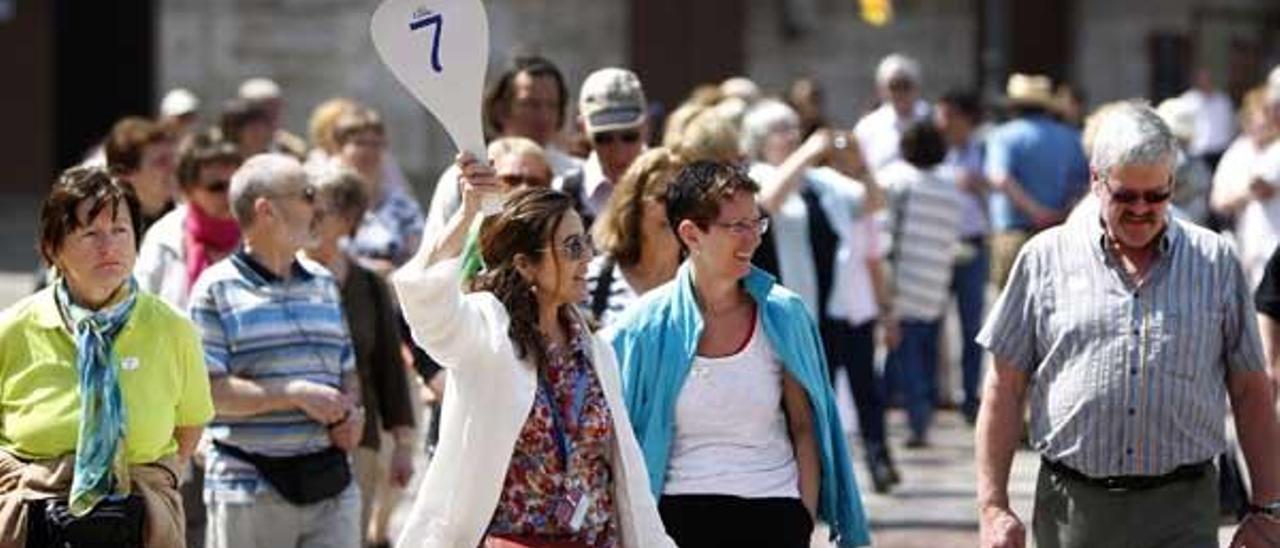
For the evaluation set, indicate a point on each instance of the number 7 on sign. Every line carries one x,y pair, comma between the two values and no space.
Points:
431,20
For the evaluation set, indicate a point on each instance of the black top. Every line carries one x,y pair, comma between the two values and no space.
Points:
1267,299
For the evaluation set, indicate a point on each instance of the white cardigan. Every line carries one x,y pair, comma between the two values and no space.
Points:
487,398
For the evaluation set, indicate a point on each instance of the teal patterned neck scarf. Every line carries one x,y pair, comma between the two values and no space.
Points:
100,463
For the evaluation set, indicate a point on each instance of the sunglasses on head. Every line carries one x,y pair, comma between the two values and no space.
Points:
1125,196
609,137
515,180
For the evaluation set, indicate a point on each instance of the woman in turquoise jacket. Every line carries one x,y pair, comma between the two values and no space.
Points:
726,384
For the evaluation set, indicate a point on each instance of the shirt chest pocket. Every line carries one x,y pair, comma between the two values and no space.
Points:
1184,344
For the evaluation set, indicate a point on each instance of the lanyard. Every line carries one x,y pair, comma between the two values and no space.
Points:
558,428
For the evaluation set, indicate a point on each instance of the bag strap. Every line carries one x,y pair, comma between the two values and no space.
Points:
600,297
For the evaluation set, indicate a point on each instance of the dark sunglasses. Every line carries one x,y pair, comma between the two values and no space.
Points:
1127,197
216,186
606,138
577,247
515,180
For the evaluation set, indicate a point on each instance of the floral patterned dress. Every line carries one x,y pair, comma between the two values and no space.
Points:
540,498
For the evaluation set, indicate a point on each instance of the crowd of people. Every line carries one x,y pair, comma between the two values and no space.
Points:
239,333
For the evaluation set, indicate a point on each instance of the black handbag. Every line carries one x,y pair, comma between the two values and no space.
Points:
115,522
301,479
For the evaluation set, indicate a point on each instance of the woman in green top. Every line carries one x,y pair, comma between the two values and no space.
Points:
102,386
517,163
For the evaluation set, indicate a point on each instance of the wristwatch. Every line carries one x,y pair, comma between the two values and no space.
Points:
1270,509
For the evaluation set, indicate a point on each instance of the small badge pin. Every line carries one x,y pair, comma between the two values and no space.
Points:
129,364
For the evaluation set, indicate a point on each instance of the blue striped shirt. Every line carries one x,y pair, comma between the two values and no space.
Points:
1126,379
255,325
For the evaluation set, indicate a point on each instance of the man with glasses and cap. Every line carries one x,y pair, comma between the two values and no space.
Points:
611,112
1127,332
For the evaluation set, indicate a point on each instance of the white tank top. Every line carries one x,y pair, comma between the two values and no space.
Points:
731,433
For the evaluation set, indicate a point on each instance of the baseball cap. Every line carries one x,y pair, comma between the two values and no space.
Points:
259,89
178,102
611,99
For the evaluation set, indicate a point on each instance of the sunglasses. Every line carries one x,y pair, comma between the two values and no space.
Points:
577,247
514,180
218,186
1127,197
607,138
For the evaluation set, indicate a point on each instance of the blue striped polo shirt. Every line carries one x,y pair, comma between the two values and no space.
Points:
258,326
1126,379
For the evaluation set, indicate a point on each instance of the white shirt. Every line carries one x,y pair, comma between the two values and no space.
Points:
1258,227
1215,121
596,188
161,267
731,433
880,132
487,400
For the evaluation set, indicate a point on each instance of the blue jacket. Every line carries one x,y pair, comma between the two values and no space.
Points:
656,341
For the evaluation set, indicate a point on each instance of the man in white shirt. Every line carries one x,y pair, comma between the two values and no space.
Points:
898,85
528,100
1215,124
612,114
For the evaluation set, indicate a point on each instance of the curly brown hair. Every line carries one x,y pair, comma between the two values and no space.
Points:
529,220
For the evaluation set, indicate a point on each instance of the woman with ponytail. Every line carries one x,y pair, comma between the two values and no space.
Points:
535,446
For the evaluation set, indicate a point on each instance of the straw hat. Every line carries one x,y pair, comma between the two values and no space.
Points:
1035,90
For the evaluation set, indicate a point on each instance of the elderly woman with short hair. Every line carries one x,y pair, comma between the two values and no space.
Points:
104,387
370,312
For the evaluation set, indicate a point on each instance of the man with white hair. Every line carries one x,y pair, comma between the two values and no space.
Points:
898,85
1127,332
264,93
282,373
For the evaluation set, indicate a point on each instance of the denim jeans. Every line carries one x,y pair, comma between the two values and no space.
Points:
914,364
969,284
853,347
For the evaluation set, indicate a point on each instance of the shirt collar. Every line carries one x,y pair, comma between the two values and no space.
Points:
259,274
593,175
44,311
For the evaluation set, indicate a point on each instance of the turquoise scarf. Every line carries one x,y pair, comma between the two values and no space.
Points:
100,464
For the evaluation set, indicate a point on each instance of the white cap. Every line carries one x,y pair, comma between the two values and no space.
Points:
178,102
612,99
1180,116
259,89
1273,86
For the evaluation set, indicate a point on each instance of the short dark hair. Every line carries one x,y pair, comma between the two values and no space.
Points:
701,188
923,146
497,101
964,102
201,149
238,113
127,140
95,185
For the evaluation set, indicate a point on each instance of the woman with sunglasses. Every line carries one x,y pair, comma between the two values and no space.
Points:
726,383
197,233
535,448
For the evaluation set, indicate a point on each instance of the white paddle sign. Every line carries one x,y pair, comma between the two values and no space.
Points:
439,49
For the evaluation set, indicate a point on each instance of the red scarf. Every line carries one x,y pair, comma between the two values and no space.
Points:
206,240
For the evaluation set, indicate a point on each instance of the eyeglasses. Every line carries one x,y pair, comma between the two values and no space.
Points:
307,193
1151,197
515,180
743,228
577,247
369,143
218,186
606,138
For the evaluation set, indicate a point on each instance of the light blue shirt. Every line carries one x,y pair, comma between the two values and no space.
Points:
1047,160
656,340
